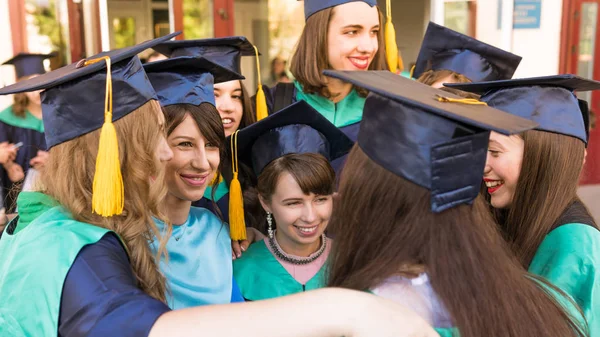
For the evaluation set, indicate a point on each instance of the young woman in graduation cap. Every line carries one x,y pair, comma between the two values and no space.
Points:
290,153
77,260
409,224
22,123
339,35
198,268
447,56
233,104
532,181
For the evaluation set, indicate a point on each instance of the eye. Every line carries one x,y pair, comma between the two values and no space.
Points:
375,31
322,199
351,32
210,145
494,153
216,94
237,97
185,144
293,203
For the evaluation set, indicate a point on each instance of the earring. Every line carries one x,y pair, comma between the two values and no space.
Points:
270,222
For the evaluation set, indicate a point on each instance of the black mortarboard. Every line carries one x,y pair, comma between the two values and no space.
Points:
73,101
443,48
313,6
547,100
226,52
441,146
296,129
29,64
186,80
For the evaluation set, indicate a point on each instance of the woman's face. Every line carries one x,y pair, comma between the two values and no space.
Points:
194,162
228,97
163,151
352,36
300,218
502,168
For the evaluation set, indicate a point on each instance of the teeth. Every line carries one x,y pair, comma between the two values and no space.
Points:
227,120
307,230
360,62
494,183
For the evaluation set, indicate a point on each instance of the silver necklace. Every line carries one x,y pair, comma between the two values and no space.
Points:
182,233
297,260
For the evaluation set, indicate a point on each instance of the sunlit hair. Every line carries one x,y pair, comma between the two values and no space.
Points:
431,76
69,173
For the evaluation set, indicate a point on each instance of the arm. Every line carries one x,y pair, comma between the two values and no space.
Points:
324,312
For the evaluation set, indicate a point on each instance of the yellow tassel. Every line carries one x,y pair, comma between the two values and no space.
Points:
261,101
412,71
470,101
237,224
400,62
108,196
391,48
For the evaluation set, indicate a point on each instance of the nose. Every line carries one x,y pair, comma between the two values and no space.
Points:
224,103
309,215
488,168
164,151
368,43
200,161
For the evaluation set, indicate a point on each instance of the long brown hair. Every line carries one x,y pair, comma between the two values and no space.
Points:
20,103
68,177
383,225
547,185
311,58
209,122
248,113
431,76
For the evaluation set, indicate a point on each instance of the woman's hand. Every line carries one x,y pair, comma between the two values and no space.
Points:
14,171
8,152
252,236
40,160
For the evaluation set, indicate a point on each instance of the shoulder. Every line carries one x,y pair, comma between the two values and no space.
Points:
572,238
203,214
254,255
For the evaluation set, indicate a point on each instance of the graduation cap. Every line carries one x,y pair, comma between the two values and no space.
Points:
547,100
313,6
226,52
29,64
185,80
445,49
432,138
296,129
88,95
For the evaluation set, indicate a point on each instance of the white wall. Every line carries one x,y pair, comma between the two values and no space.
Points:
7,73
540,48
245,13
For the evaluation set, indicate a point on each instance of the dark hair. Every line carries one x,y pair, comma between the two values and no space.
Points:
209,122
312,172
383,226
311,57
21,101
431,76
460,93
248,114
547,185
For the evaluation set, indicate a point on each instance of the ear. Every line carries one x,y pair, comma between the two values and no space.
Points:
264,204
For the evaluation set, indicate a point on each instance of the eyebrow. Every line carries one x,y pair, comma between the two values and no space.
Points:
183,138
496,143
291,199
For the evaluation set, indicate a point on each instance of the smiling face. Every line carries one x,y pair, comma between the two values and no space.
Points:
353,36
229,101
301,218
502,168
194,164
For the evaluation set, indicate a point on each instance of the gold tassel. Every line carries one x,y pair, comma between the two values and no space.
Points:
412,71
108,196
470,101
261,101
391,48
237,224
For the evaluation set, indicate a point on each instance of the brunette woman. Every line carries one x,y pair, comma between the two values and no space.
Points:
92,219
290,152
532,181
409,214
448,56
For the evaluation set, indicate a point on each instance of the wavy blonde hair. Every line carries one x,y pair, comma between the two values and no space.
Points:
69,174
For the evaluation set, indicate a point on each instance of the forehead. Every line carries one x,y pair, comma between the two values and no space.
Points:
509,142
355,13
287,186
187,128
228,86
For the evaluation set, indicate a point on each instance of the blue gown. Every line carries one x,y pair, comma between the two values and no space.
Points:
13,130
199,270
101,298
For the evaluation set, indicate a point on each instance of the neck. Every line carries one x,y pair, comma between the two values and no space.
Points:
176,210
292,248
35,110
338,89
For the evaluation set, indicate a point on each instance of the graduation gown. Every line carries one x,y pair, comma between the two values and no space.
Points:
81,285
199,270
569,258
260,276
13,129
221,199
